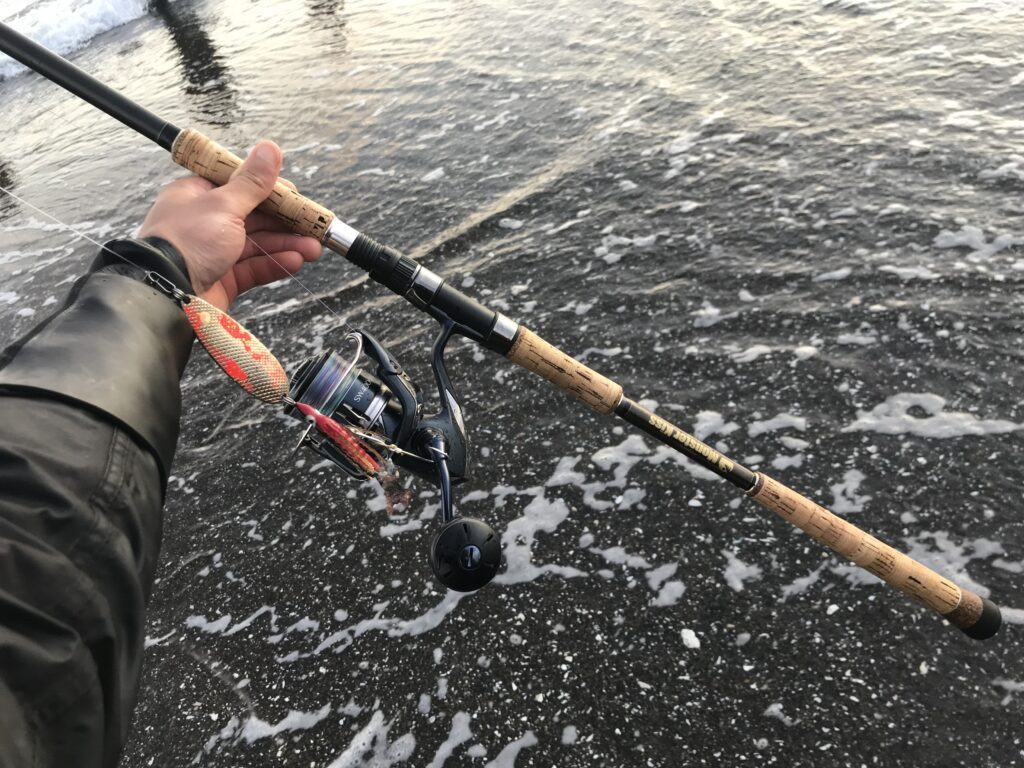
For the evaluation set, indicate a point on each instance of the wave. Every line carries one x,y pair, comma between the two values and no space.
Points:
64,26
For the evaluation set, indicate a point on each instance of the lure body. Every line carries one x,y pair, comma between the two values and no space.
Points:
342,437
240,354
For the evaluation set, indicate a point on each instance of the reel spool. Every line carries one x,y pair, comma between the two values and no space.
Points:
382,407
363,388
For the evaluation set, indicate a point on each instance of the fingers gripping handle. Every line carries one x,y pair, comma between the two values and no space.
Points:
977,617
533,353
206,158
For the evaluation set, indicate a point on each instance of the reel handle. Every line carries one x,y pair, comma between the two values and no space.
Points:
205,157
978,617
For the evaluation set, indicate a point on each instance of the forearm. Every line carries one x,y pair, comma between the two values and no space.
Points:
80,525
90,403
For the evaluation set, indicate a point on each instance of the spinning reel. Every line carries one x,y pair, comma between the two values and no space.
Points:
366,411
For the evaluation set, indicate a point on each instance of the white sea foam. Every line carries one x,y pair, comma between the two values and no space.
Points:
893,417
737,572
1010,686
836,274
750,354
845,498
619,556
254,729
64,25
657,576
669,594
213,627
781,421
541,514
459,734
712,423
1012,169
910,273
342,639
785,462
151,641
974,238
223,625
856,339
775,710
507,757
371,747
800,585
1012,615
709,315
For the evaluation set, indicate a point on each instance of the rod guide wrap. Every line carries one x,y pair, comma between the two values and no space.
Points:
206,158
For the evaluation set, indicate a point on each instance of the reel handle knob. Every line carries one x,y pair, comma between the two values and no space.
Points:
465,554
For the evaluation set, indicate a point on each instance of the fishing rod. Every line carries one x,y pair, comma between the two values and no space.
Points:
385,421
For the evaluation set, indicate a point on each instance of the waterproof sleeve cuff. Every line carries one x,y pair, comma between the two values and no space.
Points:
117,346
148,254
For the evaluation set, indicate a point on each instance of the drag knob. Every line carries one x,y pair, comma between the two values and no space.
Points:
465,554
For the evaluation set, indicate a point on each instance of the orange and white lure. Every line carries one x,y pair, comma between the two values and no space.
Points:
240,355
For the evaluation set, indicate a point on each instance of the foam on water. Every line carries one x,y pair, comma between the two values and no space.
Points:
507,757
541,514
893,417
459,734
780,421
737,572
974,238
253,729
845,498
802,584
371,747
64,25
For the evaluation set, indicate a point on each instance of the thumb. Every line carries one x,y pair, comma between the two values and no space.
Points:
254,179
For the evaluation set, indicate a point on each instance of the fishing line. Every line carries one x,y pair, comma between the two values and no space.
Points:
348,328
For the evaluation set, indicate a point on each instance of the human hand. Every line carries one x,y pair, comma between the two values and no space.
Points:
221,236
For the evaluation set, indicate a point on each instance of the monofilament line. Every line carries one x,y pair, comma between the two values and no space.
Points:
102,247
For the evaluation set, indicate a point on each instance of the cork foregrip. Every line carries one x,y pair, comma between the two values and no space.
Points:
888,564
533,353
206,158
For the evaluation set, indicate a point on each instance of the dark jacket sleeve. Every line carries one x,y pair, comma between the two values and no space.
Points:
89,402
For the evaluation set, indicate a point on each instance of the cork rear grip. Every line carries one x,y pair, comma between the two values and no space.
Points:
533,353
977,617
206,158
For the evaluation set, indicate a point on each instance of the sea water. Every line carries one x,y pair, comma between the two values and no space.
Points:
794,227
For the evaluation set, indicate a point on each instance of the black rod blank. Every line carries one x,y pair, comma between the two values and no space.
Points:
85,86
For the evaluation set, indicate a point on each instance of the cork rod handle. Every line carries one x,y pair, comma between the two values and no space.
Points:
976,616
206,158
534,354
